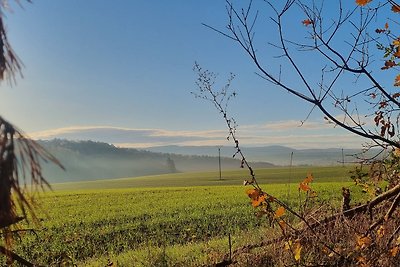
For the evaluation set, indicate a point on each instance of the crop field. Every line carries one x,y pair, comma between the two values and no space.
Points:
184,222
279,175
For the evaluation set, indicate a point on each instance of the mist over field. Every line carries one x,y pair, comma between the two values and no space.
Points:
277,155
88,160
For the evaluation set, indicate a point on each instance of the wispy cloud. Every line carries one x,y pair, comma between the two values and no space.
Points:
309,135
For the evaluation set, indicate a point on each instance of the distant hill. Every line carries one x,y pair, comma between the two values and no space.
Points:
278,155
88,160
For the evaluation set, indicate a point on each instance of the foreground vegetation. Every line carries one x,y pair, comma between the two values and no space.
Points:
187,224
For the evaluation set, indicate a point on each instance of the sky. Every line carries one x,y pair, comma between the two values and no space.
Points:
122,72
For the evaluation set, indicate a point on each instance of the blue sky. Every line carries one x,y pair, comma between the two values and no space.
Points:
121,72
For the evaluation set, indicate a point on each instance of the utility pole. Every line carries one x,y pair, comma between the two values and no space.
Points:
219,162
342,158
290,175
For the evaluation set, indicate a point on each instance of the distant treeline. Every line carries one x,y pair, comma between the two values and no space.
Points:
89,160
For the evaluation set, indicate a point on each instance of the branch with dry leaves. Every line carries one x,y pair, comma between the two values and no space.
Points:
272,208
321,36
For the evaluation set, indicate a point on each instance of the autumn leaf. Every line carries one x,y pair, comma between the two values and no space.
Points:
257,202
307,22
388,64
288,245
396,42
383,30
381,231
252,193
256,195
304,187
279,212
397,52
297,250
396,8
394,251
362,2
309,178
363,241
397,80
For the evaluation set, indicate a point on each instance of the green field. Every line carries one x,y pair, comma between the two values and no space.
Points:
233,177
182,218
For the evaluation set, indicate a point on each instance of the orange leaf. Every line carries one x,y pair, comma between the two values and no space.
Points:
397,53
307,22
304,187
396,95
279,212
386,25
308,179
397,80
257,202
394,251
256,195
363,241
253,193
396,8
362,2
388,64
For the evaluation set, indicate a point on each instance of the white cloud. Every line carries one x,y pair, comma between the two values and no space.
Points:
312,134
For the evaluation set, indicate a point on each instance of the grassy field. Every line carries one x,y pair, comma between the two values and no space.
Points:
277,175
134,223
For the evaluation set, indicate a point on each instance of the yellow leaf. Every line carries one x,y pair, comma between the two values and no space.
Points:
396,42
381,231
288,244
297,251
279,212
362,2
